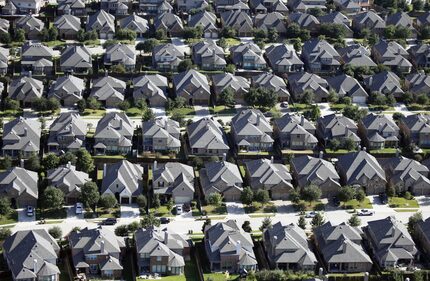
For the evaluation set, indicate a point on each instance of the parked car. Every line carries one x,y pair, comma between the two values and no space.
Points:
109,221
336,201
164,220
365,212
30,211
79,208
178,209
186,208
311,214
284,104
383,198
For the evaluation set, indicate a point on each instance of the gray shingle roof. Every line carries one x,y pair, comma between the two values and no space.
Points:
385,82
22,134
135,23
77,57
333,126
227,80
17,182
207,133
403,170
345,85
356,55
163,128
167,21
300,82
220,177
310,169
418,83
67,125
67,179
303,20
320,51
120,54
191,83
265,173
68,22
205,19
114,125
251,122
125,174
282,55
381,124
30,22
67,87
25,89
369,19
417,123
271,81
175,176
101,21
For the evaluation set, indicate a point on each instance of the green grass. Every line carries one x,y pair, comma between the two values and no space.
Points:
93,112
51,214
406,210
221,109
190,274
220,276
253,153
90,43
11,218
99,174
383,151
213,210
134,111
242,170
109,157
312,206
183,111
400,202
162,212
373,107
54,43
103,213
261,215
355,204
339,151
10,113
337,106
232,42
257,207
298,106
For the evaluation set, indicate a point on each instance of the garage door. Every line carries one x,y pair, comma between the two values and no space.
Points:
125,200
182,200
359,99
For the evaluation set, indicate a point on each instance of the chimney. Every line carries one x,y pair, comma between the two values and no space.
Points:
29,73
366,276
320,272
380,127
104,169
35,269
359,147
22,163
154,167
166,237
238,247
321,154
25,132
69,164
224,156
272,160
364,148
397,152
258,120
106,73
102,246
302,120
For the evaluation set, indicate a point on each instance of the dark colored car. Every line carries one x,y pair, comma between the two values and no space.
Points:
383,198
164,220
186,208
336,201
109,221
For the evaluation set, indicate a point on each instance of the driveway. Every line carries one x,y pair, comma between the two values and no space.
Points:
71,213
401,108
201,112
130,211
325,108
234,208
283,207
22,216
159,111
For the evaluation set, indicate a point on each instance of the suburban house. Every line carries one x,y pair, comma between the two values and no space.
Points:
68,26
152,89
268,6
69,181
288,248
21,137
154,7
166,57
301,82
26,6
161,135
221,177
273,82
320,57
419,55
341,248
378,131
136,23
170,23
103,23
360,169
37,58
418,83
173,180
4,60
123,179
423,20
406,174
193,86
416,127
116,7
402,19
248,56
229,248
97,252
113,135
303,20
347,86
251,131
283,59
76,59
295,132
270,176
336,127
390,243
20,186
239,85
161,251
32,255
307,170
384,82
72,7
186,5
270,20
352,7
305,5
231,5
25,89
208,21
356,55
368,20
108,90
67,133
31,25
422,235
393,55
207,137
208,55
239,20
67,89
339,19
121,54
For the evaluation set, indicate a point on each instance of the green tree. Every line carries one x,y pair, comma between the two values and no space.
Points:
408,98
56,232
160,34
354,112
84,161
294,196
185,65
349,144
246,226
316,12
6,163
156,201
133,227
308,97
345,194
5,38
108,201
354,220
51,161
332,97
272,35
311,193
193,32
413,221
170,204
390,31
141,201
68,157
266,223
33,162
222,43
121,231
19,35
150,220
334,144
422,99
314,113
333,30
302,222
228,32
81,105
5,233
214,199
360,195
93,103
125,34
226,97
90,195
53,33
317,220
53,198
247,196
118,68
5,207
11,104
262,196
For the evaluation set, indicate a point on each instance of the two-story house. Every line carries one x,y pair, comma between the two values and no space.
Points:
294,131
161,135
379,131
67,133
320,57
21,137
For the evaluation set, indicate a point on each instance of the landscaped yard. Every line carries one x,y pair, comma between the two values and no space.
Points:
10,113
312,206
54,43
384,151
11,218
221,109
257,207
94,112
220,277
355,204
190,274
339,151
183,111
103,213
337,106
400,202
213,210
242,170
232,42
161,212
133,111
298,106
51,214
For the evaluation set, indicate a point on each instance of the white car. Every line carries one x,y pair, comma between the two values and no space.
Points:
30,211
365,212
79,208
310,215
178,209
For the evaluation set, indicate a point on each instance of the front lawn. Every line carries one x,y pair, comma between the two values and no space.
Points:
10,113
183,111
400,202
161,212
134,111
339,151
221,109
103,213
355,204
299,106
242,169
54,43
220,276
93,112
257,207
337,106
11,218
384,151
190,274
213,210
51,214
312,206
232,42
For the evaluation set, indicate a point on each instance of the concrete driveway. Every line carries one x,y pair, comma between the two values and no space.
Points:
71,213
22,216
201,112
130,211
234,208
159,111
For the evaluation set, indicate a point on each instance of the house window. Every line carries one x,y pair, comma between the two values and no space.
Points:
90,257
159,258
